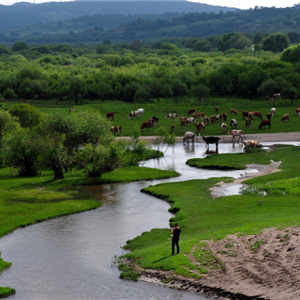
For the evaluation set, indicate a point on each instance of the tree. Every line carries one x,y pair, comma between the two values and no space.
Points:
291,54
75,88
98,159
19,46
202,46
27,115
22,152
3,50
267,88
294,37
276,42
200,91
164,138
105,90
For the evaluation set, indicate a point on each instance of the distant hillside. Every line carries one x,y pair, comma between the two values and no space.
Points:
25,13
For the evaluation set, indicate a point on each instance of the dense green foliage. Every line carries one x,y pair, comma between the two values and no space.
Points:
201,217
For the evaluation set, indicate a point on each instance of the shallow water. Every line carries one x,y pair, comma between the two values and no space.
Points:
70,257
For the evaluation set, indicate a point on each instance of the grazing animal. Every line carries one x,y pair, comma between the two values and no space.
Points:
190,121
244,114
151,121
141,111
250,144
146,124
213,119
111,115
273,111
236,133
23,100
216,109
297,112
71,109
171,116
251,115
155,120
266,98
183,121
224,127
233,111
224,117
199,115
115,129
219,118
258,114
133,114
211,140
233,123
200,127
4,100
189,136
172,127
192,111
285,117
248,122
264,123
206,120
277,96
269,116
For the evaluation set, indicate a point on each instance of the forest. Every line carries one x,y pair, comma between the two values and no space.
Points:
92,29
141,72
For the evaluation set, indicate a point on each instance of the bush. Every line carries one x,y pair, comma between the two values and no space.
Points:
28,116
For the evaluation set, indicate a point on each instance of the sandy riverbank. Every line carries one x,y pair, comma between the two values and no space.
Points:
272,272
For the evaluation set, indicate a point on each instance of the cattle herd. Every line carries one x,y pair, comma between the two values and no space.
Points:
200,121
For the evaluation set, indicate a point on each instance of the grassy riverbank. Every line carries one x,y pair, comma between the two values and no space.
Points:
28,200
181,106
203,218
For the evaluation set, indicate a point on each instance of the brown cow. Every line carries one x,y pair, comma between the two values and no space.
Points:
250,144
111,115
183,122
258,114
4,100
297,111
224,117
285,117
248,122
264,123
23,100
233,111
192,111
146,125
216,109
172,127
266,98
213,119
269,116
200,127
224,127
71,109
244,114
199,115
206,120
115,129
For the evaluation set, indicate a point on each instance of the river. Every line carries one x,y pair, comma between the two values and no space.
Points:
70,257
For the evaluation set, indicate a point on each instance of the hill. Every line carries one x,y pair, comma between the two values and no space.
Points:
24,13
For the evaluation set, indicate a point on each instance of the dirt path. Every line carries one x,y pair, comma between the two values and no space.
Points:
261,137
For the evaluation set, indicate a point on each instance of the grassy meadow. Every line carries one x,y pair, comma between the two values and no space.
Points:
202,218
181,107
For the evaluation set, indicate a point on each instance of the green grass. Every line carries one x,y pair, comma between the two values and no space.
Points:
181,106
27,200
229,161
202,218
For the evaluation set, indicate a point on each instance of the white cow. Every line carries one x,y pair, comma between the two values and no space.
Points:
191,120
141,111
273,111
133,114
233,123
171,116
224,127
189,136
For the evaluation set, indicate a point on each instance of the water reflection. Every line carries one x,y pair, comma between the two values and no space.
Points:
70,257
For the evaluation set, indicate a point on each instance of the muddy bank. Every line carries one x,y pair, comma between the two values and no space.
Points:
261,137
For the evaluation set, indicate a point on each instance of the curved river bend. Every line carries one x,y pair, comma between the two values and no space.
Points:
70,257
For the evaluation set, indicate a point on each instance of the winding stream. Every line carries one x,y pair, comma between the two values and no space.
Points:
70,257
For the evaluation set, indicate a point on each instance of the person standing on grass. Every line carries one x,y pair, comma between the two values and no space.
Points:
175,240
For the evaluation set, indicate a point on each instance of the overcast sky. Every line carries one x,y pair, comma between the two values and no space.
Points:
246,4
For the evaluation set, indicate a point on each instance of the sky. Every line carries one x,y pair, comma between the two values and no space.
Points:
245,4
